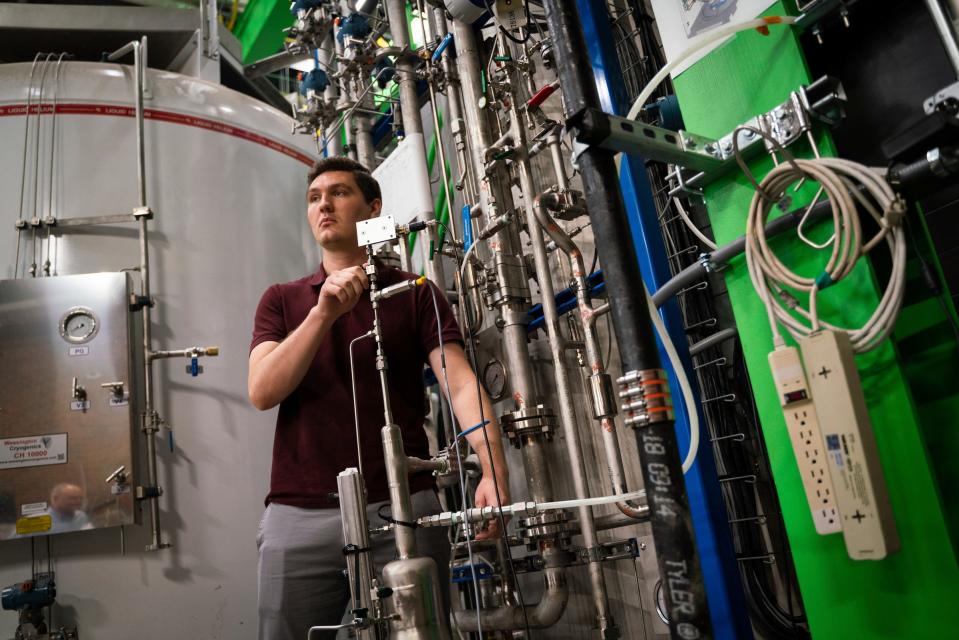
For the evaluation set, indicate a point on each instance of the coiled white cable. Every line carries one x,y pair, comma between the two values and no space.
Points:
775,282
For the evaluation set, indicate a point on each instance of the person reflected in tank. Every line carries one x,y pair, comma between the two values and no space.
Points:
67,501
300,362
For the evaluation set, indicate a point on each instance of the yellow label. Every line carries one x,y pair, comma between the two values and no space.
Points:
34,524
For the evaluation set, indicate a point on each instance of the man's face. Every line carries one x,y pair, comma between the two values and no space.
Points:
68,500
334,205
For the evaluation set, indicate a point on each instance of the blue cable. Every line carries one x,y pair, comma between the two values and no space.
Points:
463,434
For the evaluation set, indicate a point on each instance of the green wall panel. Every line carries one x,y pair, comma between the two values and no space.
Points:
260,28
914,593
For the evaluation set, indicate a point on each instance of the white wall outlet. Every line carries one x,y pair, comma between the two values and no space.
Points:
869,527
803,426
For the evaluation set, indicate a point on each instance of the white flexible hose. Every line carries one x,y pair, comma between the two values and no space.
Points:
697,44
774,282
692,227
589,502
681,378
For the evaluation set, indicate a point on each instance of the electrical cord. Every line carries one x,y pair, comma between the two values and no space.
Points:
692,227
489,451
774,281
692,413
464,496
502,29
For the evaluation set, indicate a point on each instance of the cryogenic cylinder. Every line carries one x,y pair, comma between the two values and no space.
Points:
415,600
227,182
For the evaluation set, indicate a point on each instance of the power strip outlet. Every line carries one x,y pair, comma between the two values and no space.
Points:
803,426
868,524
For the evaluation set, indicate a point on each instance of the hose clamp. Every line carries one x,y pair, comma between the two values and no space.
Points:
646,396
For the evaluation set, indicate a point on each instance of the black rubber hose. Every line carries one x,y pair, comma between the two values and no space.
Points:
721,256
659,454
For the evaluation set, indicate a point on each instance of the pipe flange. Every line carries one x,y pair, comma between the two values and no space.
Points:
646,397
551,525
528,421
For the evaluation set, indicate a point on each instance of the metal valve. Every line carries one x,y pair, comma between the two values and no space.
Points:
116,388
79,393
119,475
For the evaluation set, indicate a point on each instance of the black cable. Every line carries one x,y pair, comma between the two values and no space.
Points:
525,39
931,279
391,520
489,448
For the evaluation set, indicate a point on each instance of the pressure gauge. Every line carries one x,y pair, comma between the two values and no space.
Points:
79,325
494,379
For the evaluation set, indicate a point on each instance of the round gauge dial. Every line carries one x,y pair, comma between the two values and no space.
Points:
79,325
494,379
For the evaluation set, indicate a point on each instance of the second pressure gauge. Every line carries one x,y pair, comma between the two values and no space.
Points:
494,380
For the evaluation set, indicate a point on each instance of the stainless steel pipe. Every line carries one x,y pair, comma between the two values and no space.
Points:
567,409
543,614
356,540
412,124
611,446
149,419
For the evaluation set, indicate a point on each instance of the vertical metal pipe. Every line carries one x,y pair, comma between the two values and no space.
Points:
659,454
401,504
150,420
587,316
561,372
455,103
440,145
328,59
556,154
405,67
494,193
356,540
393,453
947,32
365,151
412,124
568,418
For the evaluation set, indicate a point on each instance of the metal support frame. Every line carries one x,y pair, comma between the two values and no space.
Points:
717,556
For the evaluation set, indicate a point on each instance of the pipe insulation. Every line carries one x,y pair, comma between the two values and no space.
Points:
671,520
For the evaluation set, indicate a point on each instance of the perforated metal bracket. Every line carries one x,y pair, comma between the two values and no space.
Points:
704,159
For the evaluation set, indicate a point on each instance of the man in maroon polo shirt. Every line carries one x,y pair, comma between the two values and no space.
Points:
299,360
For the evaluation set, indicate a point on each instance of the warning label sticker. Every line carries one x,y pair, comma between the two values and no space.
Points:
33,451
34,524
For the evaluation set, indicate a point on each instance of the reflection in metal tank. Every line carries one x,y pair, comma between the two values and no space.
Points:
68,341
227,183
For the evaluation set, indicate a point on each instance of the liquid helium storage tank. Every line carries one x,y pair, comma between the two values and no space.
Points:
226,181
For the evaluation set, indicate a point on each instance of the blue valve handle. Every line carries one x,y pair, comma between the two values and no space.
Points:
442,46
194,366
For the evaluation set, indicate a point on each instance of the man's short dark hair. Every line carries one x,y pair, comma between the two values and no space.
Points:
364,179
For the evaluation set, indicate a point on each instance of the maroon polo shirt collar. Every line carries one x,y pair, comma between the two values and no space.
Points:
317,278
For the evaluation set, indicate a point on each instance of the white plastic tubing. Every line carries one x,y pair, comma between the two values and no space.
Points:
695,45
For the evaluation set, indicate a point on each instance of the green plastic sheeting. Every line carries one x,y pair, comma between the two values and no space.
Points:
910,382
260,28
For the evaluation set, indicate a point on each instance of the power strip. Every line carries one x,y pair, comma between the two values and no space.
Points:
861,494
803,426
